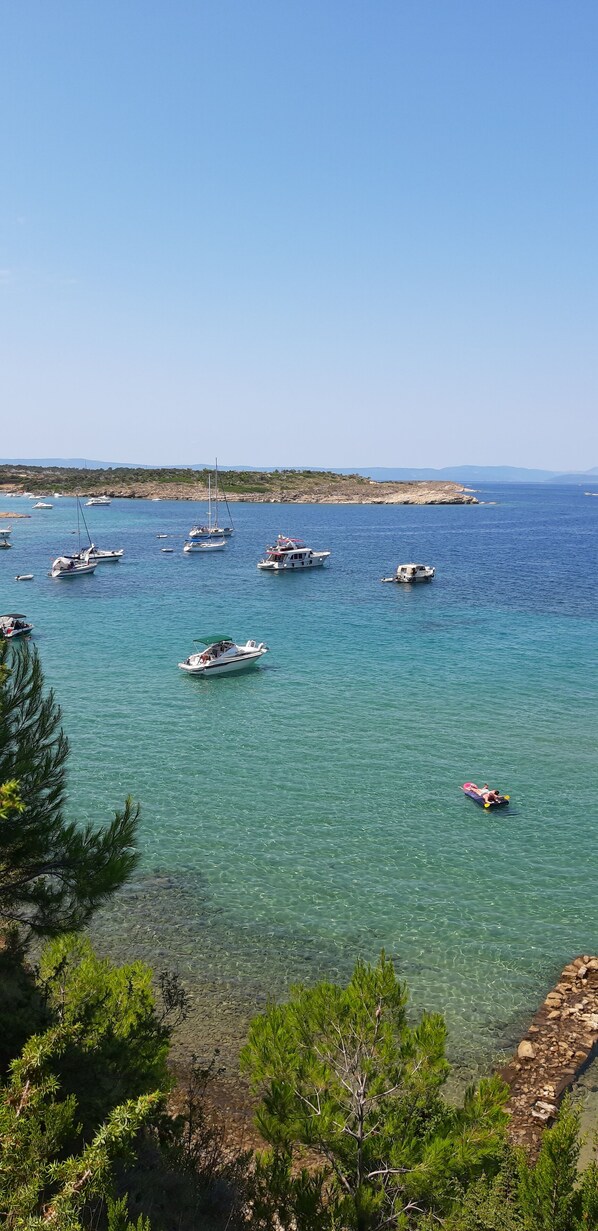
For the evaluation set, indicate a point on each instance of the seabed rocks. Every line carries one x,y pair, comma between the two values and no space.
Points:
560,1042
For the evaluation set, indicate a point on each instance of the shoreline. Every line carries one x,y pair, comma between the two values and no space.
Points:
283,487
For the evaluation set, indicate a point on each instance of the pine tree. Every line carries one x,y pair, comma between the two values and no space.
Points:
53,873
343,1074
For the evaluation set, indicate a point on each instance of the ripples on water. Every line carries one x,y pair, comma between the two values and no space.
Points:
309,812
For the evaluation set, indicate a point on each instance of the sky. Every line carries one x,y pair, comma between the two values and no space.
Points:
300,232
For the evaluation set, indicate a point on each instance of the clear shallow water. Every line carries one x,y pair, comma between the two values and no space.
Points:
309,812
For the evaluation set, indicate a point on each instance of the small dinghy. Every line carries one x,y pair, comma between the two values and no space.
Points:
484,796
24,577
167,550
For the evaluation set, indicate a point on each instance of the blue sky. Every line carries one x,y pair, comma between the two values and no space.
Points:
300,231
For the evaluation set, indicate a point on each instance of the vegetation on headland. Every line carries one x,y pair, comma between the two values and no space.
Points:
357,1132
303,486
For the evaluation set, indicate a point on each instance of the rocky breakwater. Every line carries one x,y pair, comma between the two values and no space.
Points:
561,1040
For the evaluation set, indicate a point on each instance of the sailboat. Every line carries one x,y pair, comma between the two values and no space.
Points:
93,553
76,565
212,530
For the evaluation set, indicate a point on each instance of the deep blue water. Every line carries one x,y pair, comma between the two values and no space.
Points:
310,811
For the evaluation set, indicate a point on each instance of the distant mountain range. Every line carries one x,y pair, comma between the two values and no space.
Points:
457,474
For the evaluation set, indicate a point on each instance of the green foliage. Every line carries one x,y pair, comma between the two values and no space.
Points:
53,874
23,1009
117,1215
118,1047
343,1074
547,1195
41,1183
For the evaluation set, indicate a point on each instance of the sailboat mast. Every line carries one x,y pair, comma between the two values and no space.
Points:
216,497
209,502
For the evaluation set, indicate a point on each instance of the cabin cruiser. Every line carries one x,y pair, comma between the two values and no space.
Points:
412,572
288,554
221,656
73,566
97,502
14,625
205,545
43,504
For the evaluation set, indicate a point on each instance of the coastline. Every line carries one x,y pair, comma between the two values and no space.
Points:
281,487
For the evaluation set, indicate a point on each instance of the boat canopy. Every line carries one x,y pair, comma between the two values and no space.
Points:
13,615
213,638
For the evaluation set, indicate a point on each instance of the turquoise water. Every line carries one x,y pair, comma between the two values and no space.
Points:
310,811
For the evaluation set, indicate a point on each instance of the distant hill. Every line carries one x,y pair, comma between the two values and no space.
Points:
454,474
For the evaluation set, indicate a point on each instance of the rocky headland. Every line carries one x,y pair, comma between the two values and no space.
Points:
274,487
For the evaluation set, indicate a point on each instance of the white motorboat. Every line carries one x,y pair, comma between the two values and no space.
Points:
409,573
70,566
105,557
212,529
291,554
5,538
97,502
14,625
205,545
43,504
221,656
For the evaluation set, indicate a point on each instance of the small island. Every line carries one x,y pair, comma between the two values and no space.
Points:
253,486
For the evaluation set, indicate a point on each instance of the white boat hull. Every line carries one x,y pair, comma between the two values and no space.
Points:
106,557
78,570
297,566
216,545
224,666
201,532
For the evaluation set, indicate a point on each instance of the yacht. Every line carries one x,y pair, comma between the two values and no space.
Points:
91,554
288,554
105,557
43,504
73,566
221,656
205,545
14,625
410,573
97,502
212,529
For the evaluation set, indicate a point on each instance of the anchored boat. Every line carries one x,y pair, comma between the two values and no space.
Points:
288,555
221,656
409,573
212,529
14,625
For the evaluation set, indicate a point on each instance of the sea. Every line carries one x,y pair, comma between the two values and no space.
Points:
310,812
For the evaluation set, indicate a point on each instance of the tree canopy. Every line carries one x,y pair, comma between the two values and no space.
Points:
343,1074
54,873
